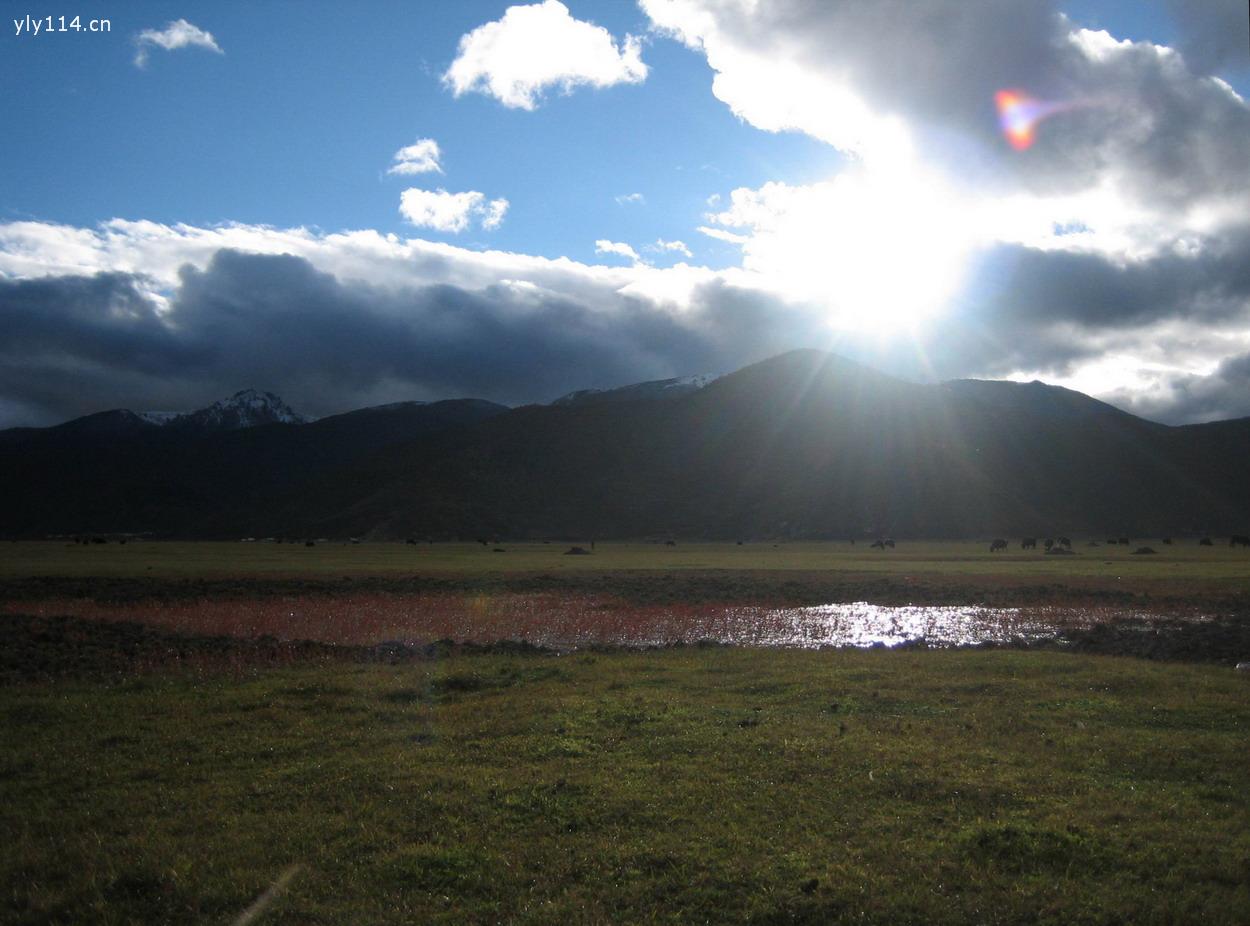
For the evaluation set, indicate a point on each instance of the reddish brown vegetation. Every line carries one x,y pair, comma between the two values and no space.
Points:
559,620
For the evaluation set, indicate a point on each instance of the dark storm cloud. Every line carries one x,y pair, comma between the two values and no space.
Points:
82,344
105,318
1183,398
1211,284
1048,310
1213,33
1142,120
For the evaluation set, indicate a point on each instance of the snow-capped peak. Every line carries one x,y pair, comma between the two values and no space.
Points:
247,408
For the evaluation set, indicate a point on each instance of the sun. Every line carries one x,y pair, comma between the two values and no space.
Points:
879,250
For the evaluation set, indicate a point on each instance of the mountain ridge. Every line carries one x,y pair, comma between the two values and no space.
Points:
803,445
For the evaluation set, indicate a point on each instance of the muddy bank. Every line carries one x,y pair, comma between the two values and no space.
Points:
42,648
34,648
772,588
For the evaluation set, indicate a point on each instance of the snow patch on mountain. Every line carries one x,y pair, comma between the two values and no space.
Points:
247,408
651,390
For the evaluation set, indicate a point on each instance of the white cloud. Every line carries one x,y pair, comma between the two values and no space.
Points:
175,35
493,215
721,235
626,199
421,157
674,246
451,212
532,48
620,249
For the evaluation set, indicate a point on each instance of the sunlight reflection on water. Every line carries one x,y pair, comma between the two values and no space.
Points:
863,624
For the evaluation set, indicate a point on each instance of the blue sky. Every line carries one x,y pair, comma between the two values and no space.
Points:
843,184
295,125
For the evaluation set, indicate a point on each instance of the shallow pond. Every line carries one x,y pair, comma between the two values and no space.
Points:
569,621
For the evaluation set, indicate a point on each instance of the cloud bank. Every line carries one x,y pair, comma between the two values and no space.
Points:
142,315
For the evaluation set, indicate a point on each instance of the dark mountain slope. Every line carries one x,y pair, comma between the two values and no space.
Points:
804,445
165,479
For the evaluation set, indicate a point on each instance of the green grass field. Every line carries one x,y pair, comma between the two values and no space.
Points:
149,777
160,559
695,785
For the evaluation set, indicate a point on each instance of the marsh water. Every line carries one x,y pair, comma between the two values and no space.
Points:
565,621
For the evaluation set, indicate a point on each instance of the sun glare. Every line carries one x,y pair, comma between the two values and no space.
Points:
881,250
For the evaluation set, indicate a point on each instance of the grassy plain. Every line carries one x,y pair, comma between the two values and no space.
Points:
1180,577
164,559
149,777
685,785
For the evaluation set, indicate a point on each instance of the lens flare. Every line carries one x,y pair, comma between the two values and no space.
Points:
1019,114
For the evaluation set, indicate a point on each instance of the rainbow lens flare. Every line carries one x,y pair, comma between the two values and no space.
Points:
1019,114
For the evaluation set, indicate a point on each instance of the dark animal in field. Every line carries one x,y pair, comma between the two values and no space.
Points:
1143,551
1065,542
878,545
576,551
1124,541
889,543
1239,540
499,550
1094,543
1111,541
1060,551
1167,541
1028,543
998,545
739,543
1206,542
309,543
411,542
1048,544
670,543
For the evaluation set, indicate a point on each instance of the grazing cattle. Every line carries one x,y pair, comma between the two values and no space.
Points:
1239,540
1206,542
1065,542
1167,541
576,551
1048,544
878,545
1123,541
670,543
1111,541
889,543
1028,543
411,541
1143,551
309,543
997,545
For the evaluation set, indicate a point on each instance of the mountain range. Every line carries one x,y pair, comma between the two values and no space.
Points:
804,445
